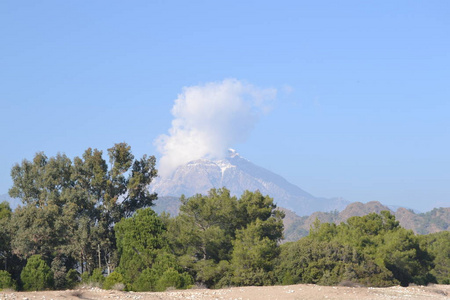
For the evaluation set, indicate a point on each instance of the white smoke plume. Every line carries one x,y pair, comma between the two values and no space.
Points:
210,118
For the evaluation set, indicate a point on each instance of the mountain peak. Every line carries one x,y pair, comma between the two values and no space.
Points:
232,153
239,174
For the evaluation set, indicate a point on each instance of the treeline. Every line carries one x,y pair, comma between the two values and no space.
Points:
87,221
433,221
372,250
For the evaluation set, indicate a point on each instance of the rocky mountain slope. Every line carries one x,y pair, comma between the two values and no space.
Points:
238,174
423,223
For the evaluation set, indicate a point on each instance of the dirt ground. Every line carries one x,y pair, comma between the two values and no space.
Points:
300,291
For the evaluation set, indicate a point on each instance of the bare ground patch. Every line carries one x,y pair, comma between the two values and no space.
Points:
300,291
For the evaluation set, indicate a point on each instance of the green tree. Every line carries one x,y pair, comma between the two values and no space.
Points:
6,282
71,207
438,244
311,260
210,222
144,253
139,239
379,240
173,278
36,276
400,252
5,236
253,255
72,278
202,234
35,231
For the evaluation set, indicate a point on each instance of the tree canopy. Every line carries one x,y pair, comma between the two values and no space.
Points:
370,250
70,207
90,219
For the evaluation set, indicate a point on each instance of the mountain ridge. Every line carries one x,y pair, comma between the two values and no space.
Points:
238,174
296,227
432,221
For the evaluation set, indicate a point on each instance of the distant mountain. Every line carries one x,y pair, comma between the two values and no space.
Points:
238,174
296,227
434,221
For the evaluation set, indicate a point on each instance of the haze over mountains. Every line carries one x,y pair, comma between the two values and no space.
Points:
238,174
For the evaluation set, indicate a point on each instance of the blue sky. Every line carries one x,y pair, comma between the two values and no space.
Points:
363,87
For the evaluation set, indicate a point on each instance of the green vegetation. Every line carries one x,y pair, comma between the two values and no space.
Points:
370,250
36,276
89,221
6,282
221,240
146,261
438,245
425,223
113,280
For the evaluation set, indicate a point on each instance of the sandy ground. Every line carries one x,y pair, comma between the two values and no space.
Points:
301,291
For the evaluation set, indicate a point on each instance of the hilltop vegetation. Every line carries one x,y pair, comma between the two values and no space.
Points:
82,221
423,223
296,227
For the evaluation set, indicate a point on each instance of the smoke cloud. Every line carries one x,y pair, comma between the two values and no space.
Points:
210,118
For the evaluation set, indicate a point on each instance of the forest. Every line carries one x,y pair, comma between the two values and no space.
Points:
89,220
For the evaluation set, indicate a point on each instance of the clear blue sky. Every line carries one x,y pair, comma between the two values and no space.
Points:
367,117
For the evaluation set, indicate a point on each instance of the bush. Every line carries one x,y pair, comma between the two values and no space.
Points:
113,279
36,276
146,281
6,282
72,278
171,278
85,278
97,276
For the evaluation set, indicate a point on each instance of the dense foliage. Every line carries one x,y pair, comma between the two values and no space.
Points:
221,240
36,276
146,261
83,220
70,209
370,250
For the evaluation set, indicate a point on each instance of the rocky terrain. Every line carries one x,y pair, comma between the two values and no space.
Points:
300,291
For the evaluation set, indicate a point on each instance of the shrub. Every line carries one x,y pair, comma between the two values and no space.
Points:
85,278
6,282
146,281
36,276
97,276
113,279
172,278
72,278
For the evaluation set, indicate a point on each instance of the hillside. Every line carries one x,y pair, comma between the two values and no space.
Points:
423,223
433,221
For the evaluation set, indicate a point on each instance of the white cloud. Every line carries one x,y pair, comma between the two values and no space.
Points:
210,118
